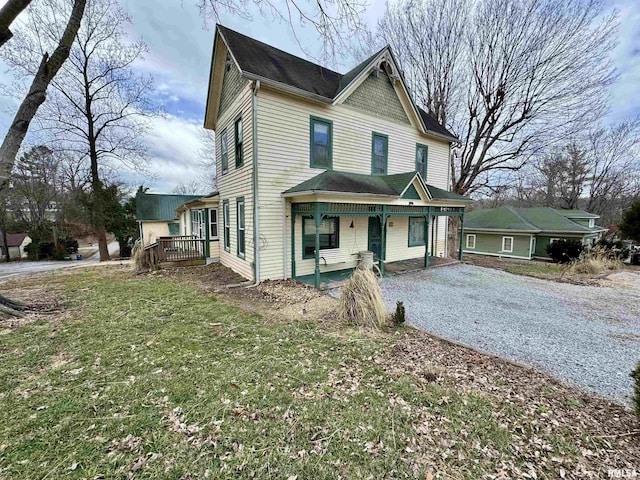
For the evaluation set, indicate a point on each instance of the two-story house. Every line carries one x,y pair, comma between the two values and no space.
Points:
315,167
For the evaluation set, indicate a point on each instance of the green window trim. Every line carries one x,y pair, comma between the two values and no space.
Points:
240,228
313,161
416,241
374,136
227,226
224,152
238,141
422,169
336,221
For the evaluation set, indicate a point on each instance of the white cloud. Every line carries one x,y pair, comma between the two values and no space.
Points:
174,153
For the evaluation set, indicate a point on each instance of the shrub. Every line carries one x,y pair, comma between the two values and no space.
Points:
398,316
564,251
636,392
613,249
70,245
46,250
361,300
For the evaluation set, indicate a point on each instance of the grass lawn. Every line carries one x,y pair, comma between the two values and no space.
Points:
148,377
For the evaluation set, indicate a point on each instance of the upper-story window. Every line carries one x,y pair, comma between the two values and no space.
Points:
224,152
592,223
379,153
321,140
422,152
237,129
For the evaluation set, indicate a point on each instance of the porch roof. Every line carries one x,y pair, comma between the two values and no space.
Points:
383,185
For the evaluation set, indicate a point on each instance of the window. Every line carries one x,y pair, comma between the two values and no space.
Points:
416,231
471,241
237,130
379,152
321,140
551,240
240,226
592,223
507,244
227,227
197,223
224,152
329,233
213,223
422,152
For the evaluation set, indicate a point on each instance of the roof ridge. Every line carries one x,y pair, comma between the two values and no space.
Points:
517,214
586,229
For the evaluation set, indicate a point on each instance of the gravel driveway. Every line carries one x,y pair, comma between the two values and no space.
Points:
588,336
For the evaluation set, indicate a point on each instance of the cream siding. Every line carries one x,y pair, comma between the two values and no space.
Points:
283,139
152,230
237,182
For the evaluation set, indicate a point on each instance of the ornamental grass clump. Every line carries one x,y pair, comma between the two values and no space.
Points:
595,261
361,300
140,257
636,395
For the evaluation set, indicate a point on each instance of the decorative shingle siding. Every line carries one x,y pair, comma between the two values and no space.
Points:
232,84
377,96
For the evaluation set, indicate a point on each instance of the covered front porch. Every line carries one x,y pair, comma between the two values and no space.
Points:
335,278
320,238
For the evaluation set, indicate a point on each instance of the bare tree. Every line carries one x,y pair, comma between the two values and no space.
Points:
45,72
192,187
208,178
98,106
8,13
526,75
338,22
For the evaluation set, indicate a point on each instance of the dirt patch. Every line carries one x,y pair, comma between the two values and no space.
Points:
41,301
606,434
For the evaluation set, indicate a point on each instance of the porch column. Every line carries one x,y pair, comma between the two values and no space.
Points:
207,226
426,240
461,234
293,244
318,220
383,241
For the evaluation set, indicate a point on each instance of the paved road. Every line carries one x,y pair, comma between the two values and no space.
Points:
13,269
586,335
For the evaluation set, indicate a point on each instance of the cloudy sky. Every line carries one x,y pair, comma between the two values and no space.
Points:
180,47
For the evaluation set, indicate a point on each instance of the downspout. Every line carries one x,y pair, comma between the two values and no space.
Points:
256,217
284,238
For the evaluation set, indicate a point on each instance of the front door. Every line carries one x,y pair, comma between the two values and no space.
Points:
375,237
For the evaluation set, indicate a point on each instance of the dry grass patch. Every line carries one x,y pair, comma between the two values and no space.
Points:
594,262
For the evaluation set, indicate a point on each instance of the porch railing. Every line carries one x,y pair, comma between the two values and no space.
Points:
177,249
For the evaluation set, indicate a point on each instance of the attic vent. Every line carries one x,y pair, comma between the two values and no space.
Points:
227,63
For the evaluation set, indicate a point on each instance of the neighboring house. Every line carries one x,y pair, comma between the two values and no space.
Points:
314,166
200,218
526,232
17,243
156,215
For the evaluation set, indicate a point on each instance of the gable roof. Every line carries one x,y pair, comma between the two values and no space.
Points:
13,239
260,61
530,220
358,183
157,207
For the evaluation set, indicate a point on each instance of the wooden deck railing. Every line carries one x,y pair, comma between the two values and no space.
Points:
176,249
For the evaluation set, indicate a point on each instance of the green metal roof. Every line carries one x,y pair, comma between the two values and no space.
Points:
534,220
160,207
576,214
388,185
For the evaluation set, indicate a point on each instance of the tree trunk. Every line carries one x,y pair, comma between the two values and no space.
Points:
49,67
7,256
8,14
